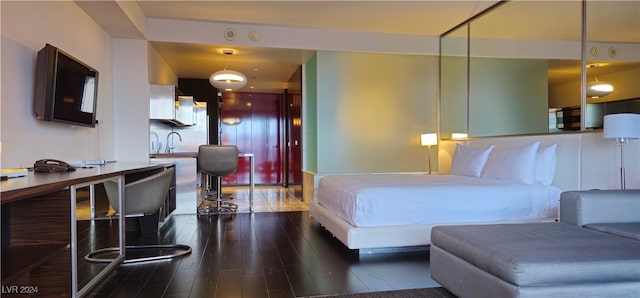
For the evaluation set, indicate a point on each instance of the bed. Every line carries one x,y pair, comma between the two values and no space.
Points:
371,212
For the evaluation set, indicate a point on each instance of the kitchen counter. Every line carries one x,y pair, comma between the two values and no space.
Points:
187,175
174,155
186,178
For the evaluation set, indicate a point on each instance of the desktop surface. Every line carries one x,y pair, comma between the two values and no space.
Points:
37,183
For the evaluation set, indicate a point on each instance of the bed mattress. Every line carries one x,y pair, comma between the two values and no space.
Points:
402,199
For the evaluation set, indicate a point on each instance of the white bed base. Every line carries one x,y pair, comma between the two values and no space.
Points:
372,239
383,238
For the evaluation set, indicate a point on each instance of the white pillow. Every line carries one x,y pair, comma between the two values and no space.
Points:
517,164
469,161
546,164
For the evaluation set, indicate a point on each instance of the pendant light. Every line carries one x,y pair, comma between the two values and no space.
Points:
597,89
227,79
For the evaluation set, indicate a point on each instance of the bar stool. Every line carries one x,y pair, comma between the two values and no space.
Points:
217,161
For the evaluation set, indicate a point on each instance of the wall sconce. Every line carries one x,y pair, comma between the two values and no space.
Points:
428,139
623,128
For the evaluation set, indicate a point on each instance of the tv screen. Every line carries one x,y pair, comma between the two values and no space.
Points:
66,88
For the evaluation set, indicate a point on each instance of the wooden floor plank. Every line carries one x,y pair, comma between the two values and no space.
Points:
254,286
283,254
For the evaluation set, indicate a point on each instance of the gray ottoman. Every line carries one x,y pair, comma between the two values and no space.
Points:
534,260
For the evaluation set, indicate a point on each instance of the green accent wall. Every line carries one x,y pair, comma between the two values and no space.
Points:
310,149
371,110
453,90
508,97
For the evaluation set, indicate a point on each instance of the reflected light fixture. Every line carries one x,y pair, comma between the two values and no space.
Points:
428,139
622,127
459,135
597,89
231,120
227,79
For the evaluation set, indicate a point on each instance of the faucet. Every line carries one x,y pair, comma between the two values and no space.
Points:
153,145
168,150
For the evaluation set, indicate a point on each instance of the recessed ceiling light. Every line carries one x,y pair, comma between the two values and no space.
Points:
596,65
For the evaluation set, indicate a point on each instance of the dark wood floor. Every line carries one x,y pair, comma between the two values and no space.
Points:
284,254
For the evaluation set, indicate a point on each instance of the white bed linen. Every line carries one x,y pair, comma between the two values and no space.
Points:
399,199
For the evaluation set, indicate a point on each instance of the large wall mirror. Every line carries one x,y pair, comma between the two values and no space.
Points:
524,66
453,66
612,57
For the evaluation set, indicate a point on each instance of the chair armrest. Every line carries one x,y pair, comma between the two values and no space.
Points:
600,206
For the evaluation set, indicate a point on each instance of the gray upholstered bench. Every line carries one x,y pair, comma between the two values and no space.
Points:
534,260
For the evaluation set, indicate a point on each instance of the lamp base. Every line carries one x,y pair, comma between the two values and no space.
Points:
429,152
622,178
621,142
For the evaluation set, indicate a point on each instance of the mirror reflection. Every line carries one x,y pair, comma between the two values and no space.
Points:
97,226
613,59
454,66
525,68
511,52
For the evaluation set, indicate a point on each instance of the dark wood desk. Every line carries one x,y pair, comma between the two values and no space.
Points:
40,231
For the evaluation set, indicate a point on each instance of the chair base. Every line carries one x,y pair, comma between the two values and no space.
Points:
139,223
97,256
214,205
146,224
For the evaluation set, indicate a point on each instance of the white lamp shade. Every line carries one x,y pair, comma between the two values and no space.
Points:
228,79
428,139
598,89
624,125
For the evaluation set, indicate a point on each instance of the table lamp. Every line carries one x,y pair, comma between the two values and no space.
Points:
428,139
623,128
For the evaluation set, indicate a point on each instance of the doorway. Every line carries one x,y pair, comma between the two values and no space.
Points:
268,125
254,123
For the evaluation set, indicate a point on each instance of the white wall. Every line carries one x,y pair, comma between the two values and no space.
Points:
26,28
131,89
292,38
159,71
600,168
585,160
136,65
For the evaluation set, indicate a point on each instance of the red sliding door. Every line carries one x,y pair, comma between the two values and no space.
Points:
254,122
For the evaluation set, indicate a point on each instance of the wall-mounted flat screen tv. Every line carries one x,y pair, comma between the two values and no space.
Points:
66,89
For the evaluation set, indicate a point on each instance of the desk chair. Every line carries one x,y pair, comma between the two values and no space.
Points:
144,199
217,161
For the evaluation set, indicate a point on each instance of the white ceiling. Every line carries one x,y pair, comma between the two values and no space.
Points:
400,17
428,18
268,69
